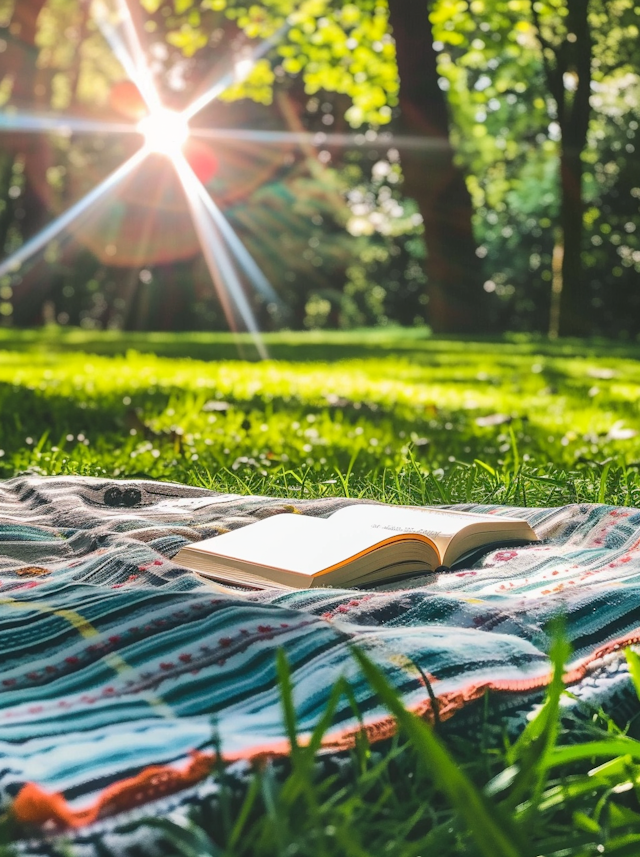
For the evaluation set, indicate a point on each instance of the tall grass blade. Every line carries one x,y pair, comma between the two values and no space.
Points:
479,815
529,752
240,824
286,697
602,489
633,660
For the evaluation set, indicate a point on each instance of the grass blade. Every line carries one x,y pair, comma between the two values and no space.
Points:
477,812
538,738
633,660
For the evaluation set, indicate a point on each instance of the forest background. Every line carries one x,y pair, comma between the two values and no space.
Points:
506,198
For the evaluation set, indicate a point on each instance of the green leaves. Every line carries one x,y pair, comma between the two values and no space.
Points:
188,39
337,48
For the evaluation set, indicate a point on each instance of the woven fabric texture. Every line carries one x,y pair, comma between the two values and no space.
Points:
117,665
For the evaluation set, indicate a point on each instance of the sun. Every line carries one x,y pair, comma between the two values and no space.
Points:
165,132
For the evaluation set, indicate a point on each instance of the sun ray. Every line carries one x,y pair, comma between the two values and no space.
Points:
165,133
119,48
241,70
138,54
220,265
319,138
242,255
134,282
130,56
41,239
54,123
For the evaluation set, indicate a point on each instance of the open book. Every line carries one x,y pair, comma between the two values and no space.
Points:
356,546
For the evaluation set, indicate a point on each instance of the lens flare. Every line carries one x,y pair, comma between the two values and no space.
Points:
242,160
69,217
165,132
64,126
223,273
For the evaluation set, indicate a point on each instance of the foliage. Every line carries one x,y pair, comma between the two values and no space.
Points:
344,48
506,129
337,63
507,133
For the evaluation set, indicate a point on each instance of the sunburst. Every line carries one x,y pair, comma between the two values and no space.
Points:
164,132
167,133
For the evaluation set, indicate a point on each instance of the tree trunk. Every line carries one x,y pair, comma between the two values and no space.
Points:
28,93
574,125
567,66
573,313
457,302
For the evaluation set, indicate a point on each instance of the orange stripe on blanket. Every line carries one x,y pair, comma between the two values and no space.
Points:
451,703
33,805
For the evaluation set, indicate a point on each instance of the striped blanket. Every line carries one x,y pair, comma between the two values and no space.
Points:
118,666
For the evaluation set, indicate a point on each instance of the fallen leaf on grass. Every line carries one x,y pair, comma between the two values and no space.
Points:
493,420
618,432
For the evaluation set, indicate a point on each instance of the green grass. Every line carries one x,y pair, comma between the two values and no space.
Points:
421,420
400,417
560,788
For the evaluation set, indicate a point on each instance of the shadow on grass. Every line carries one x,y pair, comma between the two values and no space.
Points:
309,346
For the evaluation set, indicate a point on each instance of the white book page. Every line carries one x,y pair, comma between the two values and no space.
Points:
297,543
440,525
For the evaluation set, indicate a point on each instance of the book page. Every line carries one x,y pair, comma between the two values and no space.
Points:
298,543
439,525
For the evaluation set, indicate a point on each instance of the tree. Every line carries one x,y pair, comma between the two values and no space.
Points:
28,155
27,91
536,93
348,48
582,42
456,297
567,65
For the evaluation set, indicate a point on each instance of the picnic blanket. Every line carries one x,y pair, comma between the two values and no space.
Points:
118,667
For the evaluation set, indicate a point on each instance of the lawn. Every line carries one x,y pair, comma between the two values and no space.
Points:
395,416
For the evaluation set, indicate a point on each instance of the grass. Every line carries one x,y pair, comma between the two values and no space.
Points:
399,417
406,419
560,788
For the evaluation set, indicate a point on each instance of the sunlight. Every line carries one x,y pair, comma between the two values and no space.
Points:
131,57
67,218
355,140
65,126
223,274
165,132
242,255
243,67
